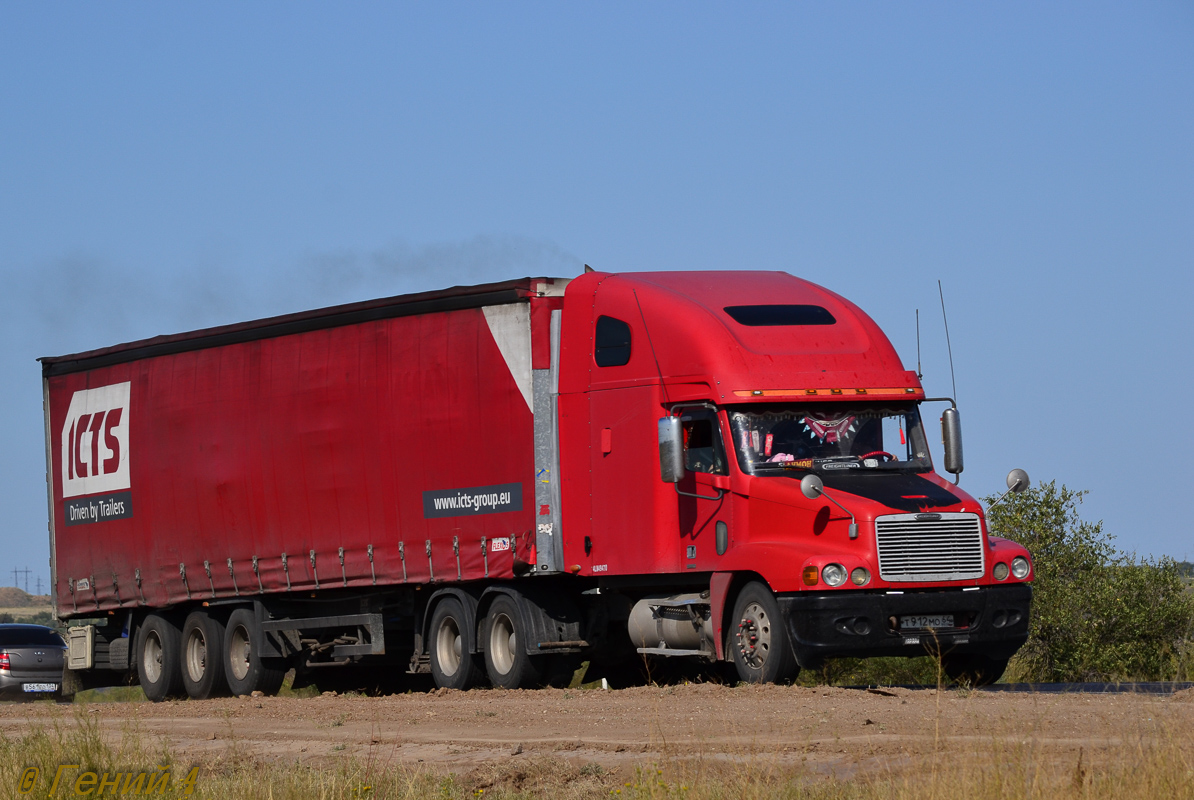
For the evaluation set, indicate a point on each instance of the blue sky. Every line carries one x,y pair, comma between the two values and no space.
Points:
166,167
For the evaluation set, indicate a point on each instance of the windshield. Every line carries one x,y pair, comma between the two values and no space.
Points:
775,439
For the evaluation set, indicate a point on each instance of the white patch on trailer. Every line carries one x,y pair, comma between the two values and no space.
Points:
499,544
94,441
511,328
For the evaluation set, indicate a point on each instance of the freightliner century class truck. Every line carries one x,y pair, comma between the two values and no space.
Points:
495,483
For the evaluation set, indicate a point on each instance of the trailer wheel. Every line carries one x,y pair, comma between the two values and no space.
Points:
973,669
157,653
453,665
759,638
245,671
203,656
506,660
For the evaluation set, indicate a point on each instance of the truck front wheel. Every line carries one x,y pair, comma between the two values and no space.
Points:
202,656
506,660
247,672
157,653
453,664
758,638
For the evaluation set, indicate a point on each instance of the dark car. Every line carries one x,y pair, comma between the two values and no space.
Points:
31,661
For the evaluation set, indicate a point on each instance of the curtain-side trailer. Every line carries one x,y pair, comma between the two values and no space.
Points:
495,483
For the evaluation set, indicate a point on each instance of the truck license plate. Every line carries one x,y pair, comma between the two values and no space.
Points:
40,687
927,621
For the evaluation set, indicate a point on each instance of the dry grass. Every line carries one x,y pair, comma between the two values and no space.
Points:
1152,760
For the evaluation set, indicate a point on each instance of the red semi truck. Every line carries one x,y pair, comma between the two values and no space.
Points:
493,483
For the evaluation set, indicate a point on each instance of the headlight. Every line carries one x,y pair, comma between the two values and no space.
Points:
999,572
1020,567
860,576
834,574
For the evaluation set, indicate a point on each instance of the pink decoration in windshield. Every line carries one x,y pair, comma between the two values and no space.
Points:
832,430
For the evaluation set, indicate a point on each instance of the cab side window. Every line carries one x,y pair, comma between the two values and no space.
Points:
703,449
611,343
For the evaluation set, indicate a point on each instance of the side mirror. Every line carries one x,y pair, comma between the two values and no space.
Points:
671,450
951,435
1017,481
813,487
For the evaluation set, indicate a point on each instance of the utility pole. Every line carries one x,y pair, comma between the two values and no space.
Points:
39,585
16,580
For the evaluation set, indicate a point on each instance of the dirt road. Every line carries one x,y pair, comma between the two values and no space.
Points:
827,730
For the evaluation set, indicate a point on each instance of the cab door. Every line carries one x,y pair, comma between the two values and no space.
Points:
703,496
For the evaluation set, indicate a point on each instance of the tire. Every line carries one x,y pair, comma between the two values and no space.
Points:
758,638
973,669
453,664
246,672
202,656
506,660
157,653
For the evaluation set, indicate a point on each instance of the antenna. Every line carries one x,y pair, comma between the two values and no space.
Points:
947,345
652,344
919,375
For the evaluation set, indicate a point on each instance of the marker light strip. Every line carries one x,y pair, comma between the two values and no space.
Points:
903,392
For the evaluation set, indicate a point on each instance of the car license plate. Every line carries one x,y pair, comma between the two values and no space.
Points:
929,621
40,687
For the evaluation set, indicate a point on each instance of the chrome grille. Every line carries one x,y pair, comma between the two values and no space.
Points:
946,549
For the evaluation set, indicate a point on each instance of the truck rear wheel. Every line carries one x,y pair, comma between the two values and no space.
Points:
506,660
203,656
759,638
245,671
157,652
453,665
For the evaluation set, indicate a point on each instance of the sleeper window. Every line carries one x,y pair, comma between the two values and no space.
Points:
612,342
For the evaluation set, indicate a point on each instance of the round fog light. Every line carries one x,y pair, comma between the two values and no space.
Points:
860,576
833,574
1020,567
1000,571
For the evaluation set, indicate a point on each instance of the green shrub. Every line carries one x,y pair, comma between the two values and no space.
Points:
1098,614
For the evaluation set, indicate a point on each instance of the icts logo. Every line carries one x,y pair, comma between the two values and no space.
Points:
95,441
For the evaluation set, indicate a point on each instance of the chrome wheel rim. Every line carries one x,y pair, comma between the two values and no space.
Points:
151,657
239,653
449,649
196,655
502,643
754,636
